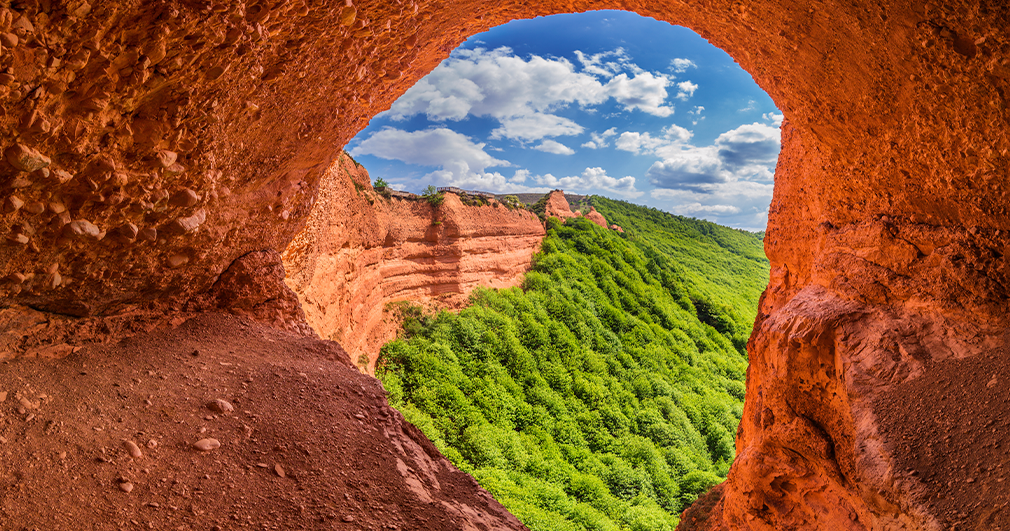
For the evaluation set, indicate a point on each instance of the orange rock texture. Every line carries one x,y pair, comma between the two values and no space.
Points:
361,251
557,206
148,145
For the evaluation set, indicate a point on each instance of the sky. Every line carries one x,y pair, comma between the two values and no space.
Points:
606,102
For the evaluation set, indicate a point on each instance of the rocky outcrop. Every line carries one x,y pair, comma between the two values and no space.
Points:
360,252
148,145
557,206
596,217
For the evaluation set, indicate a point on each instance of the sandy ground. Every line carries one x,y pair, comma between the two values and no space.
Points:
310,444
952,427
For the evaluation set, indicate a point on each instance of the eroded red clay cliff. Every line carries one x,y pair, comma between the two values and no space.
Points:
361,251
147,146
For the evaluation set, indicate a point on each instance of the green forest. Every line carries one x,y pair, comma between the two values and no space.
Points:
604,394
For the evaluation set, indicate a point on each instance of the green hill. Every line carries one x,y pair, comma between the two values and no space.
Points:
604,394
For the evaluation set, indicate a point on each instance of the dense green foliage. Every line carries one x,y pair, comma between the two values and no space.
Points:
603,395
724,270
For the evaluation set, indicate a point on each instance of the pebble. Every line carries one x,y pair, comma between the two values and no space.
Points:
126,487
206,445
25,158
3,396
184,198
62,455
347,518
279,470
220,406
152,444
132,449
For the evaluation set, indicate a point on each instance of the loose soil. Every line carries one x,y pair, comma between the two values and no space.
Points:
952,427
311,443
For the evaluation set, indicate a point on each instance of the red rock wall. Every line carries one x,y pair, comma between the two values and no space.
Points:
147,146
361,251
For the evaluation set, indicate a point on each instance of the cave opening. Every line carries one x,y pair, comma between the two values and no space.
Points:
539,97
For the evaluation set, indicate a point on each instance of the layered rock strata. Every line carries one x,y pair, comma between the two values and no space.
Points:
148,145
361,251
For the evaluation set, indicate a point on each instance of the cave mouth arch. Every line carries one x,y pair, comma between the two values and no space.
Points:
605,102
886,234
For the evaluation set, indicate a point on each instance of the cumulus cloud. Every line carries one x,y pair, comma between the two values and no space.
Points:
461,160
729,181
673,140
685,89
606,64
775,119
680,65
600,140
550,146
742,154
536,126
645,92
593,178
522,94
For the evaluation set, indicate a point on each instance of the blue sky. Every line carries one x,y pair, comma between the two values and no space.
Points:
606,102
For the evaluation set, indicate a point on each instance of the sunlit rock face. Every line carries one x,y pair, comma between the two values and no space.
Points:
147,146
361,252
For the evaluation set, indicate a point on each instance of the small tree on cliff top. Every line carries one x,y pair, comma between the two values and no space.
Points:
433,196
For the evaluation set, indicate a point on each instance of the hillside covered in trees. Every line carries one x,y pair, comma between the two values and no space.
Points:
605,393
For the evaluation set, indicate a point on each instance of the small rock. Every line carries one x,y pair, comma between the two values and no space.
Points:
186,225
83,229
9,40
12,204
347,518
177,260
62,455
132,449
35,207
992,383
3,396
279,470
206,445
151,443
220,406
166,158
126,233
25,158
149,234
184,198
126,487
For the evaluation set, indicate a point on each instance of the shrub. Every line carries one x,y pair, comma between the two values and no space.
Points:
433,196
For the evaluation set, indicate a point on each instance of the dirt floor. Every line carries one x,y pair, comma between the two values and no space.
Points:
310,444
953,424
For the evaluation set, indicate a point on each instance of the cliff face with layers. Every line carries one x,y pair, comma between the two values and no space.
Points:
148,146
361,251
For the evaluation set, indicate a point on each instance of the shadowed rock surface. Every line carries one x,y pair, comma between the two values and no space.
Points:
147,146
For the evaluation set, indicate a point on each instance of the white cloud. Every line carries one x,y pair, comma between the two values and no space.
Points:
674,140
775,119
751,106
599,140
521,175
536,126
685,89
522,93
550,146
597,64
728,182
742,154
645,92
592,178
460,159
680,65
